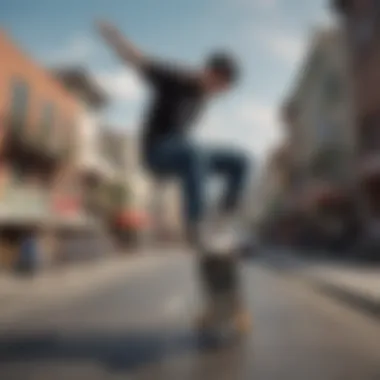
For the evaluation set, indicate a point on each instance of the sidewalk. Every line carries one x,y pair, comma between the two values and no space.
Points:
356,285
20,295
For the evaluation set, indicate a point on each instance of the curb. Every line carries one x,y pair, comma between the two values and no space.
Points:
355,300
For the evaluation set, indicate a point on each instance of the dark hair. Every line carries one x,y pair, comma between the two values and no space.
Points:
223,64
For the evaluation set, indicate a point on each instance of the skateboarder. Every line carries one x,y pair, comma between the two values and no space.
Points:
179,95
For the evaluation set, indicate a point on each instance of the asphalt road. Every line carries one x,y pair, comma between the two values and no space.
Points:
141,328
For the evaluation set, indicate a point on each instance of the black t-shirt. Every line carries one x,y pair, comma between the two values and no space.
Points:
177,100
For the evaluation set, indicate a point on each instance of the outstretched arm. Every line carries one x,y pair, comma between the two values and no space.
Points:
122,46
158,75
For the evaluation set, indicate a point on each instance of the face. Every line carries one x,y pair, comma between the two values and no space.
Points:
215,83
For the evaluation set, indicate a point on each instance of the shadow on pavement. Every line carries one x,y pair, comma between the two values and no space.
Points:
116,351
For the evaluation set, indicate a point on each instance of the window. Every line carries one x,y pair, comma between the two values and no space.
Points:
365,20
19,172
321,130
315,66
19,103
68,135
62,134
48,121
369,134
328,162
364,32
333,88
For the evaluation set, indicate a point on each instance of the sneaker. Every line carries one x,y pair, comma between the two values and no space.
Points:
223,238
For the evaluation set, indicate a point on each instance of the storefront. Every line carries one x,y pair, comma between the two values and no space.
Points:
24,211
335,218
370,196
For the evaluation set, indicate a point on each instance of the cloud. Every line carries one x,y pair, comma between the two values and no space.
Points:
266,4
261,125
254,111
287,47
77,50
121,85
252,125
326,19
258,4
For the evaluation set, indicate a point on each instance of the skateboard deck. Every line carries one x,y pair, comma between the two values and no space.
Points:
224,312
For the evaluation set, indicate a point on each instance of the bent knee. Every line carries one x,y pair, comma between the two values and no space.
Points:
242,162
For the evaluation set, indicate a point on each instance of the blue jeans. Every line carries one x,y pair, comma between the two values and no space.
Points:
182,159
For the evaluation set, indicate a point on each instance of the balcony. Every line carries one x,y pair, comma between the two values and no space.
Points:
17,135
53,147
23,142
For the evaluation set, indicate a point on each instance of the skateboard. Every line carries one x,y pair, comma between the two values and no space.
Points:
224,316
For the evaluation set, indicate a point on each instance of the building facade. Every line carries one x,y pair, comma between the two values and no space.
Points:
95,169
323,119
37,147
271,200
320,126
156,201
360,20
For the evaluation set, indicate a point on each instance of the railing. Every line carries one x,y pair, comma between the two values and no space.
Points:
21,134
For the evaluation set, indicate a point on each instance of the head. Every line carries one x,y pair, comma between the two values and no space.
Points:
220,73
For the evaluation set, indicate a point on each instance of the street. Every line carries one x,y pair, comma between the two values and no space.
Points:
141,328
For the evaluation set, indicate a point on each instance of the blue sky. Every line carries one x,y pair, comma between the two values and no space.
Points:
269,37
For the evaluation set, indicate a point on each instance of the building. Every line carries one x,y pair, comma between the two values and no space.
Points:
272,201
167,209
157,202
361,24
39,188
94,167
319,121
322,112
129,212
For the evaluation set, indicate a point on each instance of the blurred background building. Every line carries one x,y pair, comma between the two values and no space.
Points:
360,21
94,169
69,181
71,187
329,162
40,188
